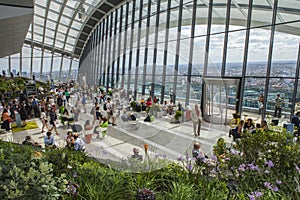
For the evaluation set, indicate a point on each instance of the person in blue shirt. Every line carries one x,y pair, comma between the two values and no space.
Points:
49,139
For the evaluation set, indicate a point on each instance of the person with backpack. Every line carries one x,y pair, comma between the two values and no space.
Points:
53,118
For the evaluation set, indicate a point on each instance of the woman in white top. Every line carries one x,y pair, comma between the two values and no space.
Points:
196,117
44,119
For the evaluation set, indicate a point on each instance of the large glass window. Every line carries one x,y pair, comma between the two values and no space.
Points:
26,61
15,64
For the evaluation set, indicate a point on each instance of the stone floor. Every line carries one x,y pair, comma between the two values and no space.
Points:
164,138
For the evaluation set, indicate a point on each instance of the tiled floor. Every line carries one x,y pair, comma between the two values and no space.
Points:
164,138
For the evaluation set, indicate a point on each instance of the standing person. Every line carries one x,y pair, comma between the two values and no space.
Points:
44,119
93,112
196,117
84,101
67,93
53,118
261,101
110,113
278,102
23,114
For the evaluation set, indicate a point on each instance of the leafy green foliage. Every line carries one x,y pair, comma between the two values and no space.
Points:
264,166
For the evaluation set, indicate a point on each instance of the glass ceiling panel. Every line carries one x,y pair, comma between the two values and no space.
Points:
41,2
53,16
49,33
76,25
38,29
68,12
55,6
60,36
49,41
51,24
68,47
62,28
38,20
73,32
38,37
72,3
39,10
64,20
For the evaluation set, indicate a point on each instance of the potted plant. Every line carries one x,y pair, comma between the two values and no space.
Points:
133,104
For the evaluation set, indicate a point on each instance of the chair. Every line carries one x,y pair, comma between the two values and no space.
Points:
127,120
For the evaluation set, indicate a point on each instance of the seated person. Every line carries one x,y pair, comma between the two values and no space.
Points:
237,131
197,153
264,125
28,141
249,126
136,154
79,144
87,125
257,128
6,120
49,140
66,117
220,148
149,102
70,140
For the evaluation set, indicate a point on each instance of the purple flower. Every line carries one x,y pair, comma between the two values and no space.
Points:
214,157
275,188
297,168
269,163
267,172
268,185
180,158
279,182
251,197
75,174
254,195
189,167
164,156
242,167
253,167
227,158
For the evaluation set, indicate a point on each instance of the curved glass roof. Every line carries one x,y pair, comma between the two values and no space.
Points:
63,26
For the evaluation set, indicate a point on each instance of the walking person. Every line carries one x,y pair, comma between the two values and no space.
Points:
110,112
44,119
196,117
53,118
